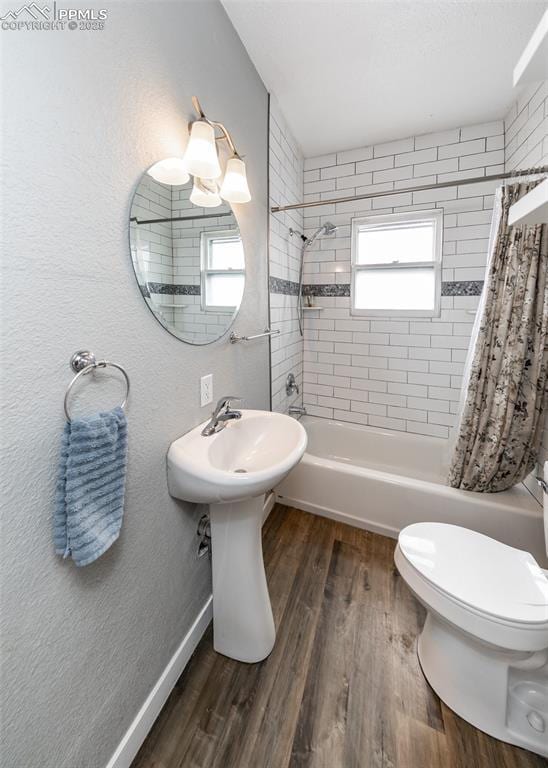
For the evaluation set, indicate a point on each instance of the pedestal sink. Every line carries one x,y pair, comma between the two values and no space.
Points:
231,470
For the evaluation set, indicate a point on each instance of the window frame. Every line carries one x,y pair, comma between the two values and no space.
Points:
205,244
360,223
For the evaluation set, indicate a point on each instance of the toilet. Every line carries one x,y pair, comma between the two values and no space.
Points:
484,644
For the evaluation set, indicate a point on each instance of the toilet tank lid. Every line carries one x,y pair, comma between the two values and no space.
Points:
483,573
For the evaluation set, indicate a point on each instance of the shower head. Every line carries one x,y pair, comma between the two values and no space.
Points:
329,228
326,229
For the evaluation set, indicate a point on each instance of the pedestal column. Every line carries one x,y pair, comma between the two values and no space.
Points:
243,625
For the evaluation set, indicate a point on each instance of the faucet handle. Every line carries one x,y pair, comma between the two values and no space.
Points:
226,401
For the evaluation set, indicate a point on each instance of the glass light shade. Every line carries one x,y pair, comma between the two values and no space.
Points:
172,170
201,157
234,188
205,194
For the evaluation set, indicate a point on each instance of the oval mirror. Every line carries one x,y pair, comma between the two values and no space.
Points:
189,261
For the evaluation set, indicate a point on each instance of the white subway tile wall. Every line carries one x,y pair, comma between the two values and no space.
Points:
169,254
393,372
526,144
286,186
526,124
154,261
152,200
190,319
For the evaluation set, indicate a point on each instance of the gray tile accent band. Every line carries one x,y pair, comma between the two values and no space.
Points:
462,288
279,285
290,288
171,289
327,289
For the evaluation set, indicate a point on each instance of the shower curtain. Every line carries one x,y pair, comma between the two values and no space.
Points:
501,422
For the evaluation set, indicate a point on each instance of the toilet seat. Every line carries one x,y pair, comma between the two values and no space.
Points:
484,645
495,592
486,575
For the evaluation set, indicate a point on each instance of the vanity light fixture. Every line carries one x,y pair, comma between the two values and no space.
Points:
234,188
172,171
205,193
202,161
201,157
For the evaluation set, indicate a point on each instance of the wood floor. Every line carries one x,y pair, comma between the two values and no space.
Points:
342,687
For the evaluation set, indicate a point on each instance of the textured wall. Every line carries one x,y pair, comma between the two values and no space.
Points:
526,133
396,372
84,114
285,187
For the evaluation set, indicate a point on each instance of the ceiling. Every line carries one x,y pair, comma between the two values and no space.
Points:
351,73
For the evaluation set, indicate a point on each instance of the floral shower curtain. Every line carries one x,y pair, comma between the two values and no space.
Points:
501,424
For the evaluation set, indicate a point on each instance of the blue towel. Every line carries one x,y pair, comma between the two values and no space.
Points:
90,489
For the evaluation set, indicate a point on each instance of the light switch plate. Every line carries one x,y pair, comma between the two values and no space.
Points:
206,389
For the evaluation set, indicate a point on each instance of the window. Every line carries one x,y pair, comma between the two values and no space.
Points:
223,270
396,264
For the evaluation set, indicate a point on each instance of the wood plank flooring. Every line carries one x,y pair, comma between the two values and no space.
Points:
342,687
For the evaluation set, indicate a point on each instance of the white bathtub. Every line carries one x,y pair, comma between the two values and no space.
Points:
383,480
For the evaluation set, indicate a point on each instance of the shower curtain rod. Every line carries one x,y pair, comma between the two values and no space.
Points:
180,218
387,193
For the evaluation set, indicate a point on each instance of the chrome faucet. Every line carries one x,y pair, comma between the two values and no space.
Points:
219,417
296,410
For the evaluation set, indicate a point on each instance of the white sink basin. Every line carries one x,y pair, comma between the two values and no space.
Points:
245,459
231,470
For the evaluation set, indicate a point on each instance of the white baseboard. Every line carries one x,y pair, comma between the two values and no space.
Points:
145,718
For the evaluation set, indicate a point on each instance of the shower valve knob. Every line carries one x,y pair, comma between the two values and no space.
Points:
291,385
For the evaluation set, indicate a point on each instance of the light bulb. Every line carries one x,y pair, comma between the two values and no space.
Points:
201,157
205,193
172,170
234,188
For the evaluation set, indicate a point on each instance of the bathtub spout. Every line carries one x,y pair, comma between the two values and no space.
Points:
297,410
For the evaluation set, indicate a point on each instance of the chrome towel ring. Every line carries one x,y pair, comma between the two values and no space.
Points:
82,363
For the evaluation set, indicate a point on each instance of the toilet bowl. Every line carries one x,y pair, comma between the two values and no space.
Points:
484,645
